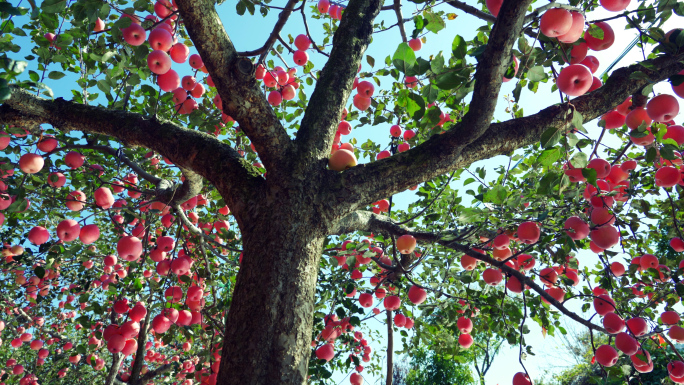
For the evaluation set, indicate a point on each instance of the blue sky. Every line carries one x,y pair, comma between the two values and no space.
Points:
250,32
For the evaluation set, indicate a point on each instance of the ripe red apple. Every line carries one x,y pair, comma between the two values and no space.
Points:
613,120
89,234
637,326
668,177
676,333
591,62
529,232
575,31
548,276
361,102
465,340
391,302
134,34
492,277
169,81
300,58
575,80
196,61
662,108
415,44
669,318
606,355
129,248
341,160
605,236
676,133
159,62
468,262
521,379
613,323
160,39
74,160
677,244
46,144
464,325
75,200
68,230
38,235
617,268
179,53
417,295
578,53
597,44
603,304
31,163
576,228
614,5
555,22
366,299
494,6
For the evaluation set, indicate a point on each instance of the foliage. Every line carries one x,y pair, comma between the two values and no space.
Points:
223,190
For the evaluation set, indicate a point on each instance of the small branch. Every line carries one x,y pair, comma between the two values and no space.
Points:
400,20
282,19
390,348
472,10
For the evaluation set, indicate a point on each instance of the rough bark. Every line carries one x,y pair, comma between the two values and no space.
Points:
234,78
334,85
269,323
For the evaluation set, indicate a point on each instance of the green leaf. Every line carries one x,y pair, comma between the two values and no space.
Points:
54,75
496,195
537,74
5,91
14,11
595,31
415,106
53,6
430,93
577,120
437,63
435,22
404,58
39,271
370,61
551,136
651,155
579,160
590,175
549,157
459,47
448,81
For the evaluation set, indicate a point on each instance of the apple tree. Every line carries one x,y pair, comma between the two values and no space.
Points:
173,210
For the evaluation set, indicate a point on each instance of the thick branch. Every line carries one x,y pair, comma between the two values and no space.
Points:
189,149
440,154
491,68
334,85
472,10
241,96
282,19
366,221
117,359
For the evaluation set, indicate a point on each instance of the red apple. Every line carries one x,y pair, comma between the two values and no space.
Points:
575,80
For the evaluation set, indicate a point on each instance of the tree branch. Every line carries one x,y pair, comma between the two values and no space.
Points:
491,68
282,19
472,10
319,124
440,154
233,76
366,221
232,175
400,20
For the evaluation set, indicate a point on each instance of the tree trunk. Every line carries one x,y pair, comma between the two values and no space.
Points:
269,323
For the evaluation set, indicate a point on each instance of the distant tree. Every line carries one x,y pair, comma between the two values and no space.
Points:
430,368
